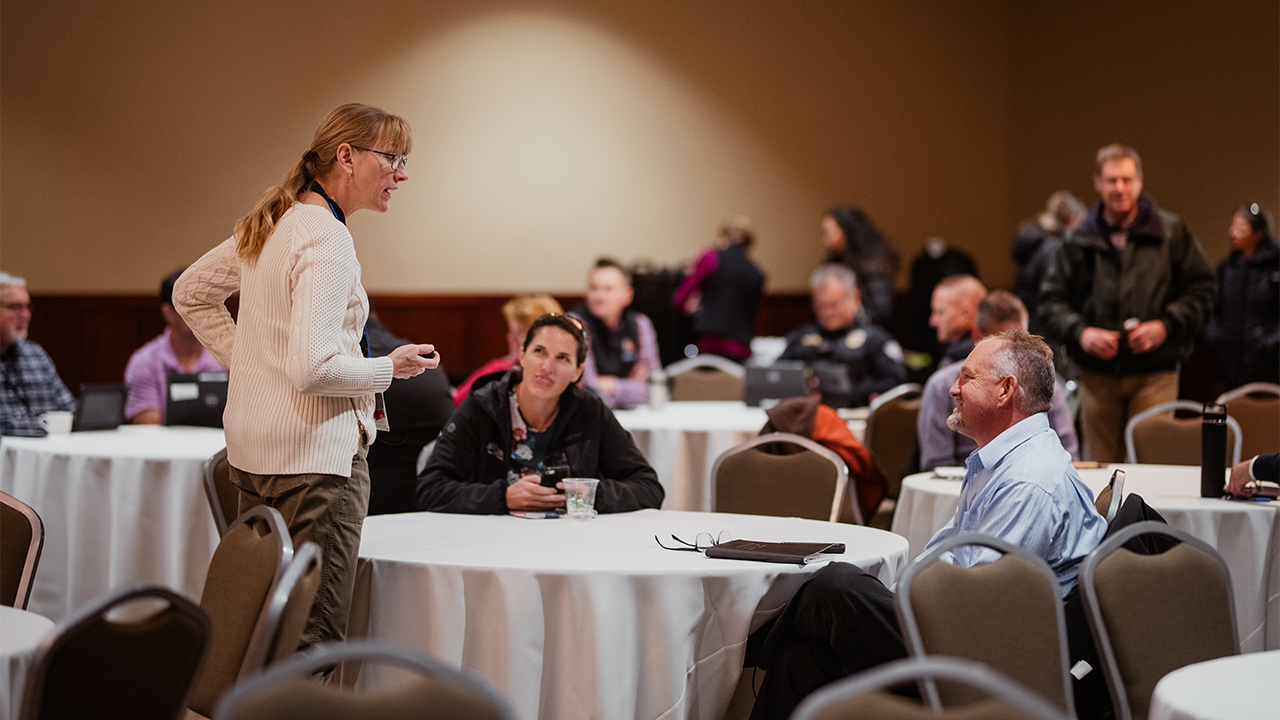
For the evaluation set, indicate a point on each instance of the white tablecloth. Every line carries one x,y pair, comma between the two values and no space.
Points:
20,633
1247,534
1243,687
590,619
118,506
683,439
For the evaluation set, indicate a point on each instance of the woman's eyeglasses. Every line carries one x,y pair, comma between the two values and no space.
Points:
397,161
700,543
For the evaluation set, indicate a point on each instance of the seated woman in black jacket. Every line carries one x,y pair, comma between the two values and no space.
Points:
490,456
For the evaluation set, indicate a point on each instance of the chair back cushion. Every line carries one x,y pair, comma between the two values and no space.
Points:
1168,440
1259,419
756,482
1003,614
1162,612
294,619
240,575
137,668
706,384
15,543
891,437
423,697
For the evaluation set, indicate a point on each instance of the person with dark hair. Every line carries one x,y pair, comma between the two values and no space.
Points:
624,346
1036,245
1019,487
492,454
417,409
176,350
1245,329
852,359
722,292
31,383
853,240
1000,311
1127,294
303,401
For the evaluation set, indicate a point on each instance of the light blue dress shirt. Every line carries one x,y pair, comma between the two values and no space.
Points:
1021,488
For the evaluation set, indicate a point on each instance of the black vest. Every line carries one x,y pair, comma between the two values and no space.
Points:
615,351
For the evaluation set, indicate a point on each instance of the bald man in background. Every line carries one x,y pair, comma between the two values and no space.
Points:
953,313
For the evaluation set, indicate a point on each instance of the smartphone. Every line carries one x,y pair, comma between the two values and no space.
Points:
554,474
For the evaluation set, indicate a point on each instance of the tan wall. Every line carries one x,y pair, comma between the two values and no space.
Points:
135,133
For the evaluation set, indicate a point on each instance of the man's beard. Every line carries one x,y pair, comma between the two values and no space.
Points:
954,422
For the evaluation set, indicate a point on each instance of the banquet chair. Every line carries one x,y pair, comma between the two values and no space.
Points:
1108,501
1152,614
891,432
808,484
706,377
1007,614
258,593
21,541
1157,435
1256,406
223,497
864,695
133,653
286,692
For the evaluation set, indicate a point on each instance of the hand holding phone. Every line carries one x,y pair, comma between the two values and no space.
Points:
554,474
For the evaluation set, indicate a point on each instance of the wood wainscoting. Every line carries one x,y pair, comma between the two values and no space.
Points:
90,337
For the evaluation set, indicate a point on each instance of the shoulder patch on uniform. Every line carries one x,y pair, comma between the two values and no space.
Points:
893,350
855,339
811,340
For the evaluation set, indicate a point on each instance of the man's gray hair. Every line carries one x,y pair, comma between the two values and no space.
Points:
1028,358
7,279
836,273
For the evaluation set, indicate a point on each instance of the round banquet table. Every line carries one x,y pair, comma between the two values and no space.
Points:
588,619
20,634
118,506
1242,687
683,439
1247,534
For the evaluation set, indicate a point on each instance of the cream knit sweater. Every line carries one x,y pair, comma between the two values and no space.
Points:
300,389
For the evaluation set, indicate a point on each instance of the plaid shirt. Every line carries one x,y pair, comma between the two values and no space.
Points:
31,388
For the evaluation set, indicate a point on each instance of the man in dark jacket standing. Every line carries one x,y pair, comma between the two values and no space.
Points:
1127,294
491,454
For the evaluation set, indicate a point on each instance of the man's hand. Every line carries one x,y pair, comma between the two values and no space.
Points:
527,494
1240,476
606,384
408,360
1100,343
1147,336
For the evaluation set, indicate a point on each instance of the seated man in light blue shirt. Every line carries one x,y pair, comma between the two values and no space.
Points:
999,311
1019,486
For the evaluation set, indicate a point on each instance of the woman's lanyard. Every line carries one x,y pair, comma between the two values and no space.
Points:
333,206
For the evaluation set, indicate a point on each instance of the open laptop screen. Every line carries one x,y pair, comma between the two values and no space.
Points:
195,399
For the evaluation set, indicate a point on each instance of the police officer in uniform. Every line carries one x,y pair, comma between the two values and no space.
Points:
853,360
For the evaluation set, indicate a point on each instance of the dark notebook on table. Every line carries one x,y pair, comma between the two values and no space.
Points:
781,552
779,381
100,407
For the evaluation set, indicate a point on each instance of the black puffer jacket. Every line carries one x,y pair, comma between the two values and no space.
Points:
1245,330
467,472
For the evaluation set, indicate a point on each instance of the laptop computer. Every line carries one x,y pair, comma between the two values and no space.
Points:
195,399
779,381
100,407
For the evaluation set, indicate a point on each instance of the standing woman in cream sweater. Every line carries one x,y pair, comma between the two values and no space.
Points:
302,406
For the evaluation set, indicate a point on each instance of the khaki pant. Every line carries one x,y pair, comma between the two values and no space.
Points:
328,510
1107,402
